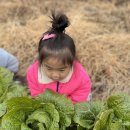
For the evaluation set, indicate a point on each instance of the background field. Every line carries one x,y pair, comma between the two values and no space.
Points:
101,29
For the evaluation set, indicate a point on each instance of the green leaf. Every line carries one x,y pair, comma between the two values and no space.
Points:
126,124
120,103
22,102
39,116
2,109
13,119
65,120
103,120
25,127
63,105
115,126
53,114
86,113
6,78
80,128
114,123
16,91
40,126
47,115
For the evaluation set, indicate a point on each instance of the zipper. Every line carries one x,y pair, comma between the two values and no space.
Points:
57,86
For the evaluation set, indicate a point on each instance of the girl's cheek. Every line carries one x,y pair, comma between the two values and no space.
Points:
47,72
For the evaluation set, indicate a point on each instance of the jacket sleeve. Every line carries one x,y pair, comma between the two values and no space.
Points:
32,83
13,64
82,93
9,61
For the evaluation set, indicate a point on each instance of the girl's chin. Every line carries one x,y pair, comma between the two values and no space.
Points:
56,80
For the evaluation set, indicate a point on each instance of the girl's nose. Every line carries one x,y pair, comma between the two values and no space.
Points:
55,76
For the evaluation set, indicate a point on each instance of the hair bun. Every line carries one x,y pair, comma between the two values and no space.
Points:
59,22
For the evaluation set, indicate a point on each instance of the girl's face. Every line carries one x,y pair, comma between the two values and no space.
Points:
55,69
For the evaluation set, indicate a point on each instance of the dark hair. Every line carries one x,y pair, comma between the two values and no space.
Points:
61,46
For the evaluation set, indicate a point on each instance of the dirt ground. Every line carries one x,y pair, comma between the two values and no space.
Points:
100,28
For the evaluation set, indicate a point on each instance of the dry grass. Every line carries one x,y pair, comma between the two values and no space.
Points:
100,28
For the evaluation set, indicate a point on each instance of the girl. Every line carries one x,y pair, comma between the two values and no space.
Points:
57,67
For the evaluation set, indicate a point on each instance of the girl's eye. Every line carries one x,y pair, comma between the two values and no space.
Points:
48,68
62,70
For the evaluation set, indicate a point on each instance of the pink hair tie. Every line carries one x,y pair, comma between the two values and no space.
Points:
48,36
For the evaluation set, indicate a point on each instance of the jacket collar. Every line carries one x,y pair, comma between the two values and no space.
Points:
43,79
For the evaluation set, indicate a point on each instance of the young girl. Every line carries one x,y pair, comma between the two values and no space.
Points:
57,67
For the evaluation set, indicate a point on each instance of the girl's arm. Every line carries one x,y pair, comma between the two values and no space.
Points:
82,93
32,83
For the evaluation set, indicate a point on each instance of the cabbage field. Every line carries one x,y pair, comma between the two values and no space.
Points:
100,28
52,111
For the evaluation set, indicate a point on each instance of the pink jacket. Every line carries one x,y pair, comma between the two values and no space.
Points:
77,88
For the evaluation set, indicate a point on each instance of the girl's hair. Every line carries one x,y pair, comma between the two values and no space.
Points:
60,45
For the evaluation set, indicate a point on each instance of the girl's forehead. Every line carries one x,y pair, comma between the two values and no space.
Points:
54,62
